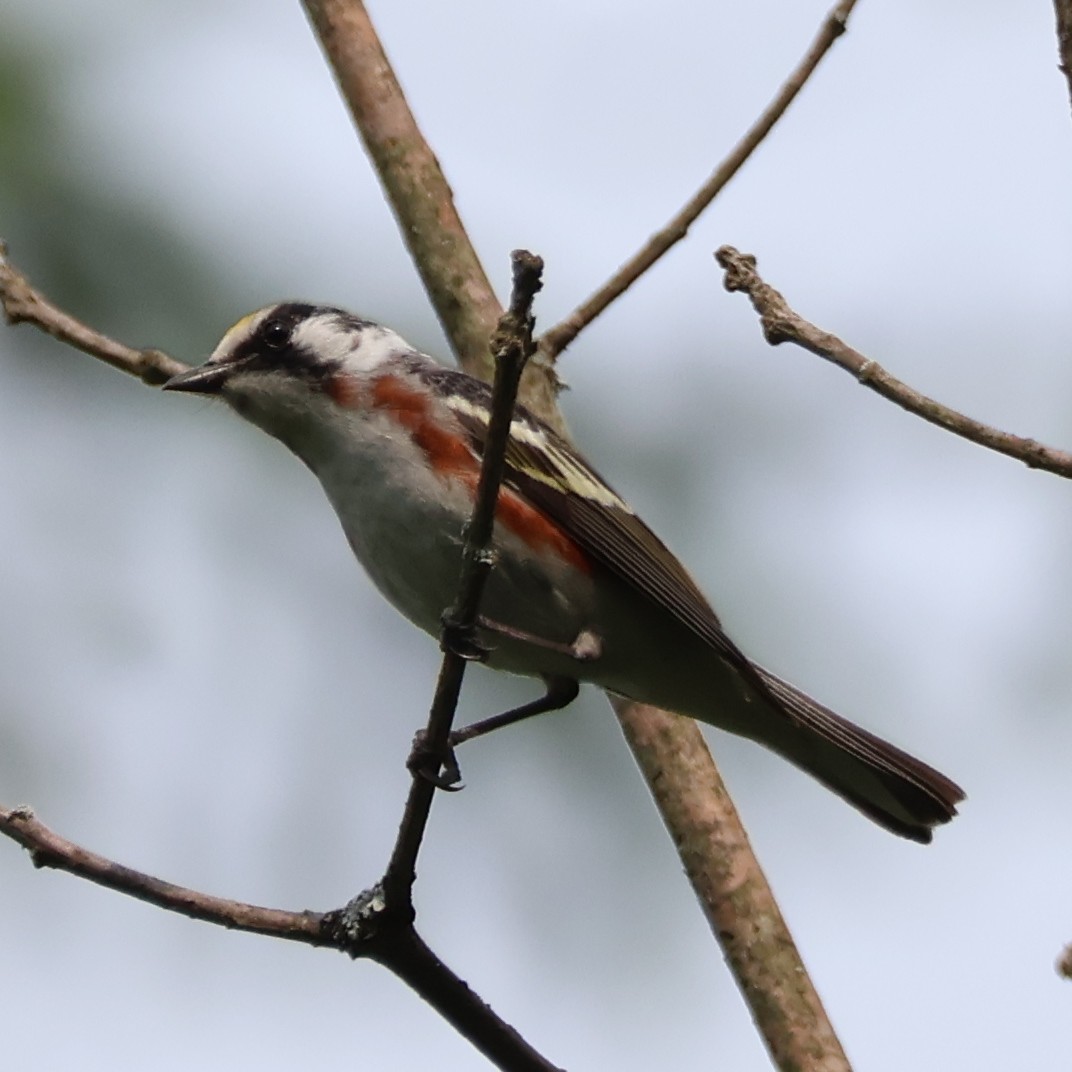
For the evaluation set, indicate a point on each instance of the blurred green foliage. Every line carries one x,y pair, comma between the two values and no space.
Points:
122,266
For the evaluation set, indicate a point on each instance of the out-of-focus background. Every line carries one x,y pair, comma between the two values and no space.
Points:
196,680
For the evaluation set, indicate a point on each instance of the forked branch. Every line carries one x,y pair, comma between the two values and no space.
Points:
780,323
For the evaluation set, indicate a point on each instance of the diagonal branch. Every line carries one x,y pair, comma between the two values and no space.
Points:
781,324
49,849
561,335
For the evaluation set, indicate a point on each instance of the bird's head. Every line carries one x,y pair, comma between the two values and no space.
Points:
294,368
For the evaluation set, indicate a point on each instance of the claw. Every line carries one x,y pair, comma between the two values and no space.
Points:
442,771
462,641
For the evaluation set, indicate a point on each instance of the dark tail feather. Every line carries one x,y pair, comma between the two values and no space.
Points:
895,789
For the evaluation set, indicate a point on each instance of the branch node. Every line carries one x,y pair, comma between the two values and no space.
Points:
837,22
776,328
867,370
739,268
360,920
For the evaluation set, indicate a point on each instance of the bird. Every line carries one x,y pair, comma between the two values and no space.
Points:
581,590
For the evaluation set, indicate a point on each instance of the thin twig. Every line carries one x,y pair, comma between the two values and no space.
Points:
417,966
561,335
512,347
22,304
781,324
1063,10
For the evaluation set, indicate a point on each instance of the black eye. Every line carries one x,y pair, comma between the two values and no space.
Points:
276,334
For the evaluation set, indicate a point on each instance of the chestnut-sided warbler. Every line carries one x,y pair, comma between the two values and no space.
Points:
581,589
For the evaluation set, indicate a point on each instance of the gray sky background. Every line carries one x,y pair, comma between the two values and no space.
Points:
196,680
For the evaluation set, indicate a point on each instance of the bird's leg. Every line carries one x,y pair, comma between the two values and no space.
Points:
560,692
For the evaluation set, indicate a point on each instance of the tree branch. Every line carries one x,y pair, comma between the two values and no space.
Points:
781,324
49,849
421,198
562,334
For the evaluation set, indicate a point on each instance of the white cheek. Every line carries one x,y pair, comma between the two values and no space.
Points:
362,351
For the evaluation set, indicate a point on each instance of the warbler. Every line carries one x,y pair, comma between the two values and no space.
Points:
581,589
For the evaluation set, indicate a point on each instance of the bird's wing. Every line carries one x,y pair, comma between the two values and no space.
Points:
548,473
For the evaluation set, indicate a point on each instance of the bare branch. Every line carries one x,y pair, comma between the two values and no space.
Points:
781,324
1063,9
732,889
23,304
512,347
417,966
561,335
